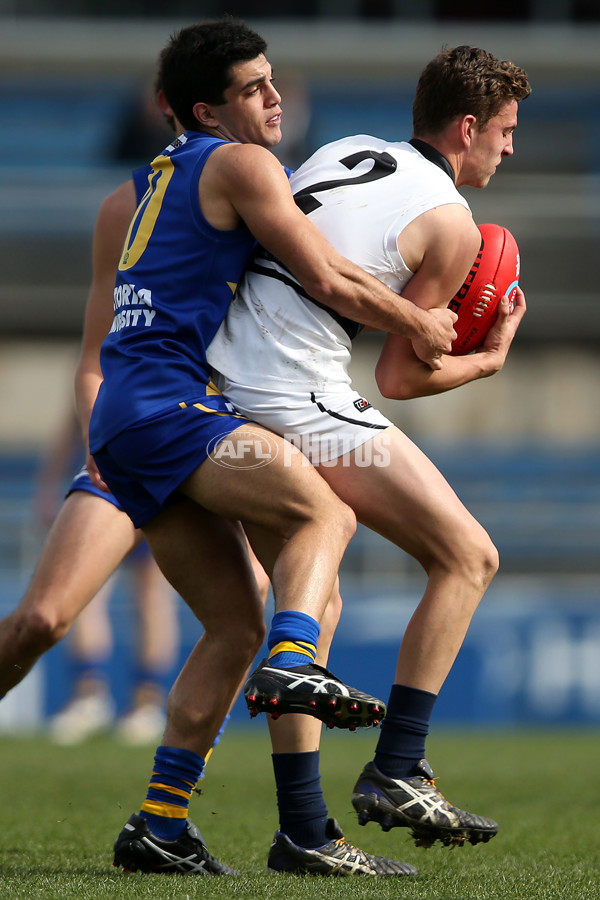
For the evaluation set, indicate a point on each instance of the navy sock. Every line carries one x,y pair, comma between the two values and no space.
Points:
303,813
292,639
401,743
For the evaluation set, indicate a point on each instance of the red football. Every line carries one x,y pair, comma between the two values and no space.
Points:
494,274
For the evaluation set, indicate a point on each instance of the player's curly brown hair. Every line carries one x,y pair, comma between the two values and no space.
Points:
462,81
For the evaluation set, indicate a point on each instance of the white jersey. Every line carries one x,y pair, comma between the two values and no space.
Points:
361,192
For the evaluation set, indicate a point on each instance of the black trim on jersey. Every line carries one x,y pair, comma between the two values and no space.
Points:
351,328
433,156
335,415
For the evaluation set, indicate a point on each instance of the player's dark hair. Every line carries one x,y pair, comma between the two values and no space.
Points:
195,66
463,81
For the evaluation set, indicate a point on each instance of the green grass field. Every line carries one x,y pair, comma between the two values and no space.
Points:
64,807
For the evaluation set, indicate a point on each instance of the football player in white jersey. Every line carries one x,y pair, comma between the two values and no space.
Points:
282,359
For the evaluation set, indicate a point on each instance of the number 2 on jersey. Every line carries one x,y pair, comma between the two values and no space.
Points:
383,164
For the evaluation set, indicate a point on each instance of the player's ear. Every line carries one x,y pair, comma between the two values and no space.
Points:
467,128
204,115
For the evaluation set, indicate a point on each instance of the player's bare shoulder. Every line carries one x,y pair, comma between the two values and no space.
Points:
237,180
112,222
236,167
117,208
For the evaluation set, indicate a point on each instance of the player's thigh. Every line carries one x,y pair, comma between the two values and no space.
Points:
205,558
265,481
87,541
396,490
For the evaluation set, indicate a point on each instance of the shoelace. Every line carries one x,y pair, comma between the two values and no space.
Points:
432,783
342,842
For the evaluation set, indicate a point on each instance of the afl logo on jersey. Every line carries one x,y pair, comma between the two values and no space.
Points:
362,405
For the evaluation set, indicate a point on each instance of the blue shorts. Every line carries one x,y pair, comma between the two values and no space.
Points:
83,482
145,464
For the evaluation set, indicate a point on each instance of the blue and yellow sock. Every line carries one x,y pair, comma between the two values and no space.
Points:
292,639
167,802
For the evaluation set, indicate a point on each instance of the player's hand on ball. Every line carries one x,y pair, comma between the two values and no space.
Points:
438,338
501,334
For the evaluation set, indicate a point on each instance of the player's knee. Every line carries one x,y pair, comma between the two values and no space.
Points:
341,518
37,631
350,523
467,553
243,635
317,506
481,558
492,561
